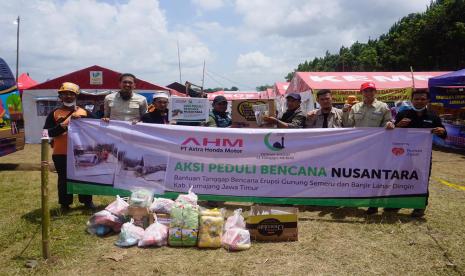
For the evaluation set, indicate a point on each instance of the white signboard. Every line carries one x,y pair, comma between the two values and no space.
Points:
188,109
96,77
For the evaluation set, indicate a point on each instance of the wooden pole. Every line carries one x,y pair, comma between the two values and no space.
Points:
44,193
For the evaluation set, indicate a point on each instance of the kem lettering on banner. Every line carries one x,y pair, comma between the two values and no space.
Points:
355,78
325,78
394,78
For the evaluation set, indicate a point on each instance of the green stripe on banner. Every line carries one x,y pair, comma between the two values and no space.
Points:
389,202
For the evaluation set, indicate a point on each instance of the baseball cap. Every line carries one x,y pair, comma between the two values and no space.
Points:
219,99
69,86
295,96
367,85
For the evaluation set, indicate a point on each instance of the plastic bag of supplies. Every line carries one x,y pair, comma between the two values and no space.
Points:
118,207
155,235
102,222
130,234
236,237
211,228
162,205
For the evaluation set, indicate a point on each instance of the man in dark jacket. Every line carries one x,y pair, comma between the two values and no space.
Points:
159,114
219,117
420,117
293,117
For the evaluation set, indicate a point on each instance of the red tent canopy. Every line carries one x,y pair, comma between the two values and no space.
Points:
304,81
96,77
25,82
279,88
269,93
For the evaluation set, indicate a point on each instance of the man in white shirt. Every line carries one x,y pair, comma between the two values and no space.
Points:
125,105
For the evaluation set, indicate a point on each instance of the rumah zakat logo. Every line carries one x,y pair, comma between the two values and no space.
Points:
398,151
274,146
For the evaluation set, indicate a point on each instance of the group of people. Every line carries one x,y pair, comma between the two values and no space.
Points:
368,113
126,105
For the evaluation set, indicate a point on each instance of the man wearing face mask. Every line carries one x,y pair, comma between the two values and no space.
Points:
420,117
159,115
57,126
125,105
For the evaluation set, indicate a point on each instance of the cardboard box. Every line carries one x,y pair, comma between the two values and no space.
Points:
269,223
164,219
142,216
243,114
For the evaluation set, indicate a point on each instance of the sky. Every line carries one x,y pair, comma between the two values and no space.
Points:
244,43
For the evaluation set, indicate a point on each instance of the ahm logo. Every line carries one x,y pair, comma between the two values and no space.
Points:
217,142
276,146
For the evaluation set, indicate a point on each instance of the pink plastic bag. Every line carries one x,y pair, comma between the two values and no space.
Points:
236,220
106,218
118,207
236,237
155,235
190,198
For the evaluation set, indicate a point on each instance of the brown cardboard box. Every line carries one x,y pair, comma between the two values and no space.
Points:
164,219
269,223
142,216
244,116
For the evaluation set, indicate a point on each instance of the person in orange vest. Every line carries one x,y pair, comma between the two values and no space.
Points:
57,126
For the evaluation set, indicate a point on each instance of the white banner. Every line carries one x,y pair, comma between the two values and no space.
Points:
297,163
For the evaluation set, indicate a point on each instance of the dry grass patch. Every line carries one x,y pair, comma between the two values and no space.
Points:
331,240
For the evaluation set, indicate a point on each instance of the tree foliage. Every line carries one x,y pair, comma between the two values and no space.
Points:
431,40
211,90
263,87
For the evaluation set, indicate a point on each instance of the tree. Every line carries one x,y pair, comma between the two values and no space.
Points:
431,40
263,87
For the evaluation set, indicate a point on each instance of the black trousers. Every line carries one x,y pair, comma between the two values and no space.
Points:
63,197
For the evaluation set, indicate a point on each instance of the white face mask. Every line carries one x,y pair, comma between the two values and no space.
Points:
69,104
418,109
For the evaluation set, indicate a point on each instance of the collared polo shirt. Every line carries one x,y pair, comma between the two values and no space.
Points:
118,109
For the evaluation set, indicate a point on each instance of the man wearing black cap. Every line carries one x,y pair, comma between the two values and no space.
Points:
293,117
219,117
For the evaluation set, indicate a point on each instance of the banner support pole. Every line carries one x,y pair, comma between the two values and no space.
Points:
44,169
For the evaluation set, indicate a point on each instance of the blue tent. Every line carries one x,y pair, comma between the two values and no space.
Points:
448,89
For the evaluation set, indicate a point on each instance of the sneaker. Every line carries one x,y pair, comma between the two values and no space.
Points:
418,213
372,210
391,210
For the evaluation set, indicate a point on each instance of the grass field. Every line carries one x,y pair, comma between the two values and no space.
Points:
331,240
